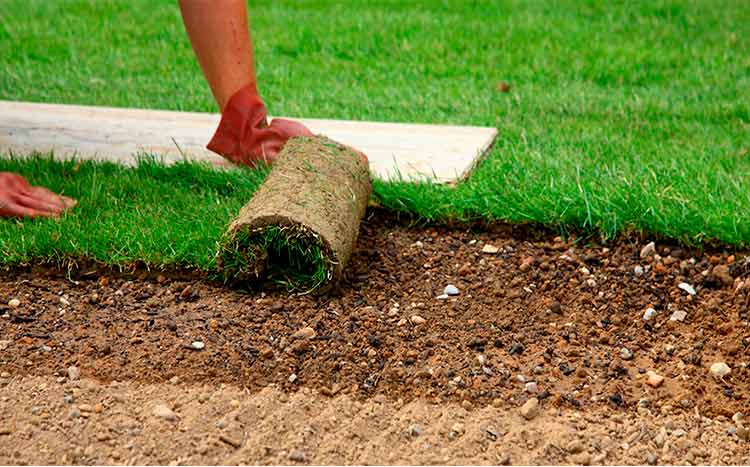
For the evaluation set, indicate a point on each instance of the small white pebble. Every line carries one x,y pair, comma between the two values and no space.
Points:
14,303
451,290
678,315
720,370
648,314
197,345
686,287
648,250
490,249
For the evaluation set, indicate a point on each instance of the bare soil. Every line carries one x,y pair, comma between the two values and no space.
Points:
384,354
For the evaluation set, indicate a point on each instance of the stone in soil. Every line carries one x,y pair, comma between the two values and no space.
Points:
653,379
416,319
686,287
678,315
305,333
197,345
164,412
74,373
490,249
14,303
530,408
721,272
297,456
458,429
415,430
450,290
720,370
626,354
648,314
648,250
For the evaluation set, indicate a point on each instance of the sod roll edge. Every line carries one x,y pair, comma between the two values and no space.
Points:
300,227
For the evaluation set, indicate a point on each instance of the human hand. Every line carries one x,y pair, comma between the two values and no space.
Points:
244,135
19,199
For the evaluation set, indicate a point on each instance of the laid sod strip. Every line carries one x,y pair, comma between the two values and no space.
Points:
152,215
301,225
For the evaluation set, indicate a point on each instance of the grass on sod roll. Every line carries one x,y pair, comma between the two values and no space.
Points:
620,116
289,256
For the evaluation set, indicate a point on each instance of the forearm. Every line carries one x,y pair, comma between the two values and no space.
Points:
220,36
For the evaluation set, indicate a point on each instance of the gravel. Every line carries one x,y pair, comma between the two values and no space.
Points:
626,354
490,249
451,290
197,345
530,409
297,456
678,315
74,373
648,314
720,370
686,287
648,250
416,319
164,412
458,429
305,333
653,379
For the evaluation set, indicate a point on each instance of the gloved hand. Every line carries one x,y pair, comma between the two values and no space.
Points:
19,199
244,135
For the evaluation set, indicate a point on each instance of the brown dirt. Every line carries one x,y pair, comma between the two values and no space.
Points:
540,309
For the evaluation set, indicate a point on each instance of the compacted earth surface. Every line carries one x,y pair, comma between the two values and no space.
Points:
488,345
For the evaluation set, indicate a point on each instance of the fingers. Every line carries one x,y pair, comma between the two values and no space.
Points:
40,204
68,201
17,210
290,128
44,199
19,199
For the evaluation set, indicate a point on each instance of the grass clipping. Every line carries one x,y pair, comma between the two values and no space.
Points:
301,225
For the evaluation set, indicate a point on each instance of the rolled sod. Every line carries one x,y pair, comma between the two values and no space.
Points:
301,225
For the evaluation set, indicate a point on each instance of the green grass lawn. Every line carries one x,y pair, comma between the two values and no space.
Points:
622,116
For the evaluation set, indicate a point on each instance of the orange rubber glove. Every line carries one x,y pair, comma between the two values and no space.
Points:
244,135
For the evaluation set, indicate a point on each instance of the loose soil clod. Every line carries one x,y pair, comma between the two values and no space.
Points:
301,225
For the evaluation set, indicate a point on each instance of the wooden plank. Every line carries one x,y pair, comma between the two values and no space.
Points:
438,152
